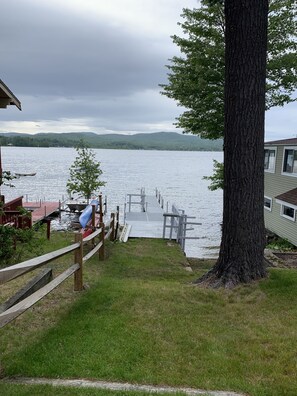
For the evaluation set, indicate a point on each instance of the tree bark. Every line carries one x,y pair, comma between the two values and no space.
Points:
241,257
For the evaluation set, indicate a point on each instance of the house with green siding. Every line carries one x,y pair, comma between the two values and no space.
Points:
280,192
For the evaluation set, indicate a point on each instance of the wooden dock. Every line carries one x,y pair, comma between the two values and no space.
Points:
40,210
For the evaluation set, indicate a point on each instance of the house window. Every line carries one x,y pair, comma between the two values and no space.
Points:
288,212
290,161
269,159
267,203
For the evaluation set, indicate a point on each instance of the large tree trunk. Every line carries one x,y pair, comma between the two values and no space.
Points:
241,257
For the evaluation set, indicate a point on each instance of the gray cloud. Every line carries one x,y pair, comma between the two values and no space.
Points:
74,68
50,54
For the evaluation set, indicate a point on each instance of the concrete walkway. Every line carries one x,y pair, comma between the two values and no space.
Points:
116,386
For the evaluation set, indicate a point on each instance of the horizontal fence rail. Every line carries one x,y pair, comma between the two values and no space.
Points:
19,308
9,273
14,271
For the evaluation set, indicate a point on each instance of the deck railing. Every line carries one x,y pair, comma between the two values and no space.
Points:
97,237
16,219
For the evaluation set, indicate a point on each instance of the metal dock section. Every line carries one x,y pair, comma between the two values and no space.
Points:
145,217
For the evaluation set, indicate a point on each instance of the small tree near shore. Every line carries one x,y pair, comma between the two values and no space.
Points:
85,173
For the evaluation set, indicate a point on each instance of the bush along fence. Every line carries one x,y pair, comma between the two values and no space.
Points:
99,235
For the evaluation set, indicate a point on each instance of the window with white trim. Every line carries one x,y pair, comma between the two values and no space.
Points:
290,161
288,212
267,203
269,160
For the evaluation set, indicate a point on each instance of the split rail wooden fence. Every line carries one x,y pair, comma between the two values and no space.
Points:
98,237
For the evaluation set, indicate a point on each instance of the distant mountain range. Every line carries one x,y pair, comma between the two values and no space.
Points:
139,141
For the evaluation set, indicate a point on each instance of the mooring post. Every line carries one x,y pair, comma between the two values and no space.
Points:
78,258
101,240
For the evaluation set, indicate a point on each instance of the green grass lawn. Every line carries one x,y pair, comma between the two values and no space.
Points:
142,321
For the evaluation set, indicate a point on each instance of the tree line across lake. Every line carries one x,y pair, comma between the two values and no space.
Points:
140,141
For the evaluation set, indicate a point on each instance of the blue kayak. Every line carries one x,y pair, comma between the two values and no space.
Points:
86,214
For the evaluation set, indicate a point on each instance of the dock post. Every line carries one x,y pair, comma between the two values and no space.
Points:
164,224
185,220
180,231
171,227
101,240
78,258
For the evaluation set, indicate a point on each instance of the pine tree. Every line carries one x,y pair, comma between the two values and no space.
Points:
241,257
196,79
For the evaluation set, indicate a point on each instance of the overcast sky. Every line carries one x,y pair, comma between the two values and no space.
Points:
95,65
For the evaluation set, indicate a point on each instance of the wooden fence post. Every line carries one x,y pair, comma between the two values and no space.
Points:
100,209
117,220
78,258
48,229
101,240
93,222
93,215
112,225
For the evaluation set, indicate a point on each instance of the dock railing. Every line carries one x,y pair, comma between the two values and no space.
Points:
98,238
131,201
178,225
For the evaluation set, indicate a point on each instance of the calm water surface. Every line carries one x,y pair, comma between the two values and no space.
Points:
177,174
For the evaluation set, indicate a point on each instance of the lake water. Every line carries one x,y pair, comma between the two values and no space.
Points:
177,174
